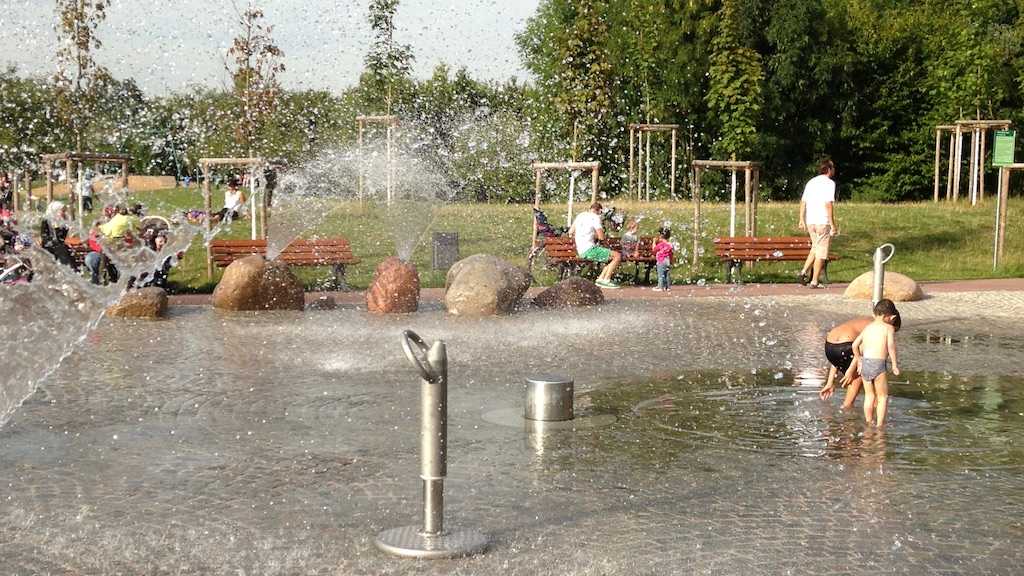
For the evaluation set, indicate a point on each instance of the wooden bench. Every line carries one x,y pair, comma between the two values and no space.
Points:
735,250
561,251
334,252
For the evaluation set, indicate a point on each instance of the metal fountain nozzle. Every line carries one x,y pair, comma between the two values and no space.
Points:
431,540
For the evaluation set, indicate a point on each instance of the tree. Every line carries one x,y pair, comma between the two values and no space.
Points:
387,62
78,74
565,45
735,90
257,62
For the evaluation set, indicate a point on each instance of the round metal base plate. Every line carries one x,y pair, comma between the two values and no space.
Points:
513,417
409,542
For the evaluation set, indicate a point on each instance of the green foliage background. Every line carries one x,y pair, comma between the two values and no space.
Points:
784,82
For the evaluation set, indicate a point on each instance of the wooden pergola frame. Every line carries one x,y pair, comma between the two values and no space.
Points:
638,155
751,185
1002,199
978,130
69,159
251,164
389,121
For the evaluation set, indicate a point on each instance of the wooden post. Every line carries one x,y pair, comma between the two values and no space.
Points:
756,192
949,169
124,174
647,168
359,140
388,168
748,207
49,182
696,219
15,193
208,206
983,132
595,181
938,146
1004,196
958,161
672,187
975,149
28,190
632,163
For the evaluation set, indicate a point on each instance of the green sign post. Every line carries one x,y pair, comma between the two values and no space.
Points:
1002,152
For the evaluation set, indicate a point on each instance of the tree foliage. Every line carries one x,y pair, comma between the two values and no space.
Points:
254,62
77,71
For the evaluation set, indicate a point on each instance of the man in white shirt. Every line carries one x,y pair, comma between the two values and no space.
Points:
587,231
816,216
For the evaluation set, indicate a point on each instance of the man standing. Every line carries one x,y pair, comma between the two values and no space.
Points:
587,231
816,216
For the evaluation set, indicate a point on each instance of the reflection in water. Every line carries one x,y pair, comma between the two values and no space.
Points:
937,422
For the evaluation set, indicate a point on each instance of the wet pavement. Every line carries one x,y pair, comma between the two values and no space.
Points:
282,443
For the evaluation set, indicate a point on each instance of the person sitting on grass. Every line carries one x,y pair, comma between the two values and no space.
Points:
875,353
588,231
234,202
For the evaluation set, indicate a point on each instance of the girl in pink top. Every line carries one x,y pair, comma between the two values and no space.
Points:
663,256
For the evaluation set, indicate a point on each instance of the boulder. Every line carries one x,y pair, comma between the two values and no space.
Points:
395,288
571,292
898,288
253,283
143,303
484,285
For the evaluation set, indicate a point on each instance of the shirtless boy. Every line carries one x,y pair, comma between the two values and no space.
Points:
875,353
839,352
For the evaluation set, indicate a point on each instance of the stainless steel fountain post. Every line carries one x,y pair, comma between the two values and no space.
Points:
879,274
432,540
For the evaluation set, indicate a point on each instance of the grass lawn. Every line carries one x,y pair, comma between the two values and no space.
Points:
933,241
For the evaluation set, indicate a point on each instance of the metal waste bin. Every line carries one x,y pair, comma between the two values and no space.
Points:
446,250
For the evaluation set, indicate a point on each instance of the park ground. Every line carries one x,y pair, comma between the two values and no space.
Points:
934,241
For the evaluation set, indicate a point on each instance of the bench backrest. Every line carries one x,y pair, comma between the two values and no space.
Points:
564,247
300,252
763,248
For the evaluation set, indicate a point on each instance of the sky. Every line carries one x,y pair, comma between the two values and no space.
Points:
167,45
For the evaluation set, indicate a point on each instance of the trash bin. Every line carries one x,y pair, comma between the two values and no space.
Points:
446,250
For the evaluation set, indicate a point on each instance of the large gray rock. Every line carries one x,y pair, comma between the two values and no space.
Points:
571,292
898,288
253,283
395,288
143,303
483,285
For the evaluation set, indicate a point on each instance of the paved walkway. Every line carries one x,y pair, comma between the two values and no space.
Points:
681,291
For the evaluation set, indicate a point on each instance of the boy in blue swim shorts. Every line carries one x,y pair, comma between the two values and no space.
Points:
875,352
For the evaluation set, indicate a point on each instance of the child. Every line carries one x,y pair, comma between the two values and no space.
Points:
873,350
630,238
663,256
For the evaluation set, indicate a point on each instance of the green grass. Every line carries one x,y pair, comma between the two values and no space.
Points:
933,241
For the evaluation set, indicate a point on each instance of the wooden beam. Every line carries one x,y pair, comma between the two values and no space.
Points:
654,127
379,119
984,123
566,165
205,162
595,182
726,164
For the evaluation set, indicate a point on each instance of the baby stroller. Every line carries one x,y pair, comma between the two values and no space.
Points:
544,230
